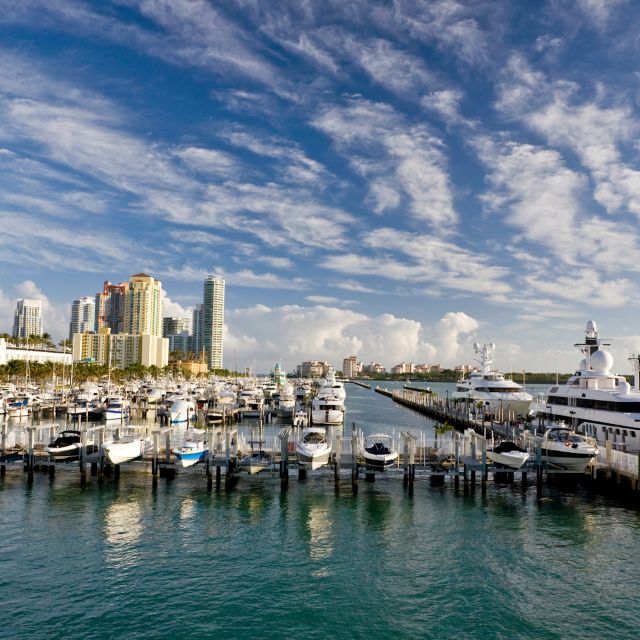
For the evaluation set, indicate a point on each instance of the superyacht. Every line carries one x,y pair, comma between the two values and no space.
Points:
594,401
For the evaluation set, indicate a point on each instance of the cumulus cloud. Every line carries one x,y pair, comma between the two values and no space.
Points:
293,334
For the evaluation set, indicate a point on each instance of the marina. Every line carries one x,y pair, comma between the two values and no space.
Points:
432,558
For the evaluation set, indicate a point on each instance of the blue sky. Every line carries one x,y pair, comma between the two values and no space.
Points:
394,180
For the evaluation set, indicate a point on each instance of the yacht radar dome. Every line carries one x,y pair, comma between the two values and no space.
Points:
601,361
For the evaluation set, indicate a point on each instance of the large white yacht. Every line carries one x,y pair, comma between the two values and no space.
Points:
328,406
594,401
502,398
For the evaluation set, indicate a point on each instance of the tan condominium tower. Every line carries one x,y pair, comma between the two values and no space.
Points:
212,320
143,306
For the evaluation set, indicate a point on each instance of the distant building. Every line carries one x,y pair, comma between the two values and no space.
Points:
373,367
197,329
109,306
175,326
403,367
351,367
313,369
143,306
212,321
121,349
8,352
182,342
83,316
27,319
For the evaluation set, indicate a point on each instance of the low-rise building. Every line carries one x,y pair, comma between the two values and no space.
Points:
403,367
9,352
313,369
121,349
374,367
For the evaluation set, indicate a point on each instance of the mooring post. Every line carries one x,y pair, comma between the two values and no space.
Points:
227,457
154,459
3,449
336,461
83,457
354,459
29,466
284,458
405,459
167,446
210,454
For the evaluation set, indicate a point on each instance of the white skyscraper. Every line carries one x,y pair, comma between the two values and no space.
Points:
83,316
27,320
212,321
143,306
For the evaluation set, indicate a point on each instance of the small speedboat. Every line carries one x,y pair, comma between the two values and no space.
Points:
508,454
191,452
378,452
563,448
65,446
313,450
256,461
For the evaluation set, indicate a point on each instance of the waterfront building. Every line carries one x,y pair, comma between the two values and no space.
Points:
8,353
121,349
374,367
109,306
313,369
351,367
173,326
143,306
83,316
403,367
212,322
27,319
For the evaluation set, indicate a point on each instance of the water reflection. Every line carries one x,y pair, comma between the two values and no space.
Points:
122,530
317,534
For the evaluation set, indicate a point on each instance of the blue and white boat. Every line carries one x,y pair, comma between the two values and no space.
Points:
191,452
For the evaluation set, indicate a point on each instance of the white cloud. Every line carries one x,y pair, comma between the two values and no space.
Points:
597,131
398,158
293,334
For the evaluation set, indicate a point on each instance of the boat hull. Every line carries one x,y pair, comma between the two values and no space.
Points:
120,452
189,458
511,460
313,459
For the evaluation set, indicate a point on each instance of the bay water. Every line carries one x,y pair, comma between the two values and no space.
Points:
122,559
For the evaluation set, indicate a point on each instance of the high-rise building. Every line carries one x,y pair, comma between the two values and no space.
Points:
351,367
196,329
109,306
83,316
212,321
143,306
27,320
175,326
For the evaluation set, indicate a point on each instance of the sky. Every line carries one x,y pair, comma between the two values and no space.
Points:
390,179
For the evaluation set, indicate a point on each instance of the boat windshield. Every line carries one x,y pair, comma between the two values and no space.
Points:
314,438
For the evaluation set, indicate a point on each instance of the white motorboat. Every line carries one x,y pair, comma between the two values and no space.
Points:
182,410
254,407
488,391
116,409
126,449
508,454
378,452
595,401
563,448
327,409
313,449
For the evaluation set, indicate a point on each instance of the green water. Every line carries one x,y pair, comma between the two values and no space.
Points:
126,560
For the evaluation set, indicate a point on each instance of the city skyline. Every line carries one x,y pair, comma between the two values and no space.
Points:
395,180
